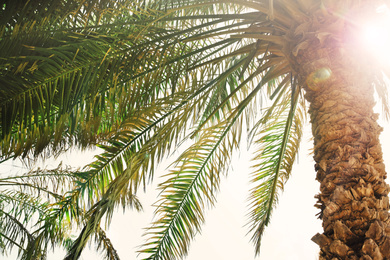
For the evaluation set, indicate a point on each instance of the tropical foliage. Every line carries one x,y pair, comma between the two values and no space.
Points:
138,79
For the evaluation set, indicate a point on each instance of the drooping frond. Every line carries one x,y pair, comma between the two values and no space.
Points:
29,205
188,190
51,184
92,226
13,228
105,245
116,193
180,215
23,225
278,139
180,220
145,139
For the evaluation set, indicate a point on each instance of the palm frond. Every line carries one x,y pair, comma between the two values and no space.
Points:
278,142
104,244
22,225
124,153
34,213
70,83
42,182
188,190
116,192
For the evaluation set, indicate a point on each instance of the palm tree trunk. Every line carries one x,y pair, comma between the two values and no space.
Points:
353,198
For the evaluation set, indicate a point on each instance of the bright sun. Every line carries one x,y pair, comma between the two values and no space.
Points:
375,35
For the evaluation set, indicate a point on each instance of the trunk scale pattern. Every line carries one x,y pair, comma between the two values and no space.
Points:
353,198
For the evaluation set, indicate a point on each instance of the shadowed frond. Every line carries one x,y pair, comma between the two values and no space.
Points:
75,86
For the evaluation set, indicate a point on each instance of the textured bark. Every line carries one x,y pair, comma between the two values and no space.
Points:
353,198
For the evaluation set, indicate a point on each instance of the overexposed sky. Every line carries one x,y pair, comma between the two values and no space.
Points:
288,237
224,234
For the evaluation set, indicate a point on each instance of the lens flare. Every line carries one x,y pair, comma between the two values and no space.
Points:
315,79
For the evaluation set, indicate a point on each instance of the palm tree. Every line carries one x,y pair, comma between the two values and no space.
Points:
64,83
167,71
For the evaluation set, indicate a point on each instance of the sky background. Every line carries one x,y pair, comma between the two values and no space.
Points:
224,235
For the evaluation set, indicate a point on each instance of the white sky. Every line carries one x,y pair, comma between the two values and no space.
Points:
224,235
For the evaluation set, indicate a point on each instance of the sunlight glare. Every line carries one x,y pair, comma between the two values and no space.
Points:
375,35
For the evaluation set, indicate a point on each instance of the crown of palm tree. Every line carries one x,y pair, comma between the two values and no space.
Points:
139,78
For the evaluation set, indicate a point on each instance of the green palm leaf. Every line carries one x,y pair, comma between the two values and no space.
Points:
16,212
70,84
278,139
105,244
187,191
31,215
